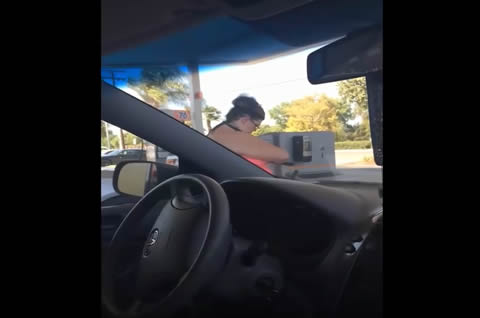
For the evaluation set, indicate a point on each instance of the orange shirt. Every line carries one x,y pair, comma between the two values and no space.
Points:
260,163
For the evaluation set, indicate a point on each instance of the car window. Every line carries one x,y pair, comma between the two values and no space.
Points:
137,149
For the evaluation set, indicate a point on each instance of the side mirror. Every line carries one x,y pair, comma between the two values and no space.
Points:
139,177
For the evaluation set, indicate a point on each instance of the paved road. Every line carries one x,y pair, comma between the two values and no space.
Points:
346,157
373,175
106,183
107,188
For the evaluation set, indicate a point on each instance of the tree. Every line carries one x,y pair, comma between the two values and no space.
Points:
265,129
103,130
362,131
211,114
344,112
103,135
132,140
158,87
341,135
279,114
312,113
114,142
353,92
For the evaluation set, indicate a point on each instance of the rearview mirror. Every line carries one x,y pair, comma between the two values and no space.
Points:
355,55
139,177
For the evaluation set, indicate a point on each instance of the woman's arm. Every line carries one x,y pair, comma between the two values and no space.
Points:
253,147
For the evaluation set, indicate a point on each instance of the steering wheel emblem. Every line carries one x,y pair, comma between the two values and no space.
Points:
152,239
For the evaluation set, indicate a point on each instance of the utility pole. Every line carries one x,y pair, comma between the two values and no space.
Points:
195,97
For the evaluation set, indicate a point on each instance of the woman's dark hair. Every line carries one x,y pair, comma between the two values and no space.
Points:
245,105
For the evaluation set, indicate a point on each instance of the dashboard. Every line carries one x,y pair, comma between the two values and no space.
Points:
317,232
300,223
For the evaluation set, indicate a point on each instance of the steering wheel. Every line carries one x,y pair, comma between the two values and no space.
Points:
185,249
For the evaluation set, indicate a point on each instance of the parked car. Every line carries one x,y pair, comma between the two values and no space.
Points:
116,156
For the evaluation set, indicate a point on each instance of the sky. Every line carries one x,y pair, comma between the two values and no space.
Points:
271,82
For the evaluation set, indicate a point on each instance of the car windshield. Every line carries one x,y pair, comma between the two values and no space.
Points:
322,131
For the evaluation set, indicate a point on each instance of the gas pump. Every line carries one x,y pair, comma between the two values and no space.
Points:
312,154
302,148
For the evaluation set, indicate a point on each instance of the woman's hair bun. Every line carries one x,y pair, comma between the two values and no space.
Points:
245,102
